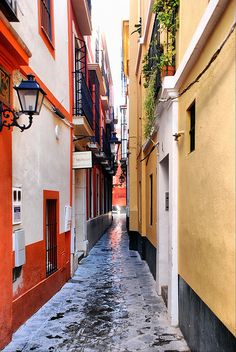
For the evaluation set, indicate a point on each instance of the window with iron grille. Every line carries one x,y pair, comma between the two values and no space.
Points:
46,18
192,117
51,236
151,199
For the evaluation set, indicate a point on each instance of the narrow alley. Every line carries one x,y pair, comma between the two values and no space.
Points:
109,305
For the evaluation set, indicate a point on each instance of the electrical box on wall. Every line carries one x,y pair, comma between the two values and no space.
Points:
19,241
16,205
67,218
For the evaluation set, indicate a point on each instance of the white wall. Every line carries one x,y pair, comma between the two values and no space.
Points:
168,125
40,160
53,73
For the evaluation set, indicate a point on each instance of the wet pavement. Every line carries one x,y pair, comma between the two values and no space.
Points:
109,305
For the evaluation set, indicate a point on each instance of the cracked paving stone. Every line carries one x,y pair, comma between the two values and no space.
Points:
109,305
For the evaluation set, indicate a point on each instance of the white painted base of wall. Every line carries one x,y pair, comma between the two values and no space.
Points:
167,181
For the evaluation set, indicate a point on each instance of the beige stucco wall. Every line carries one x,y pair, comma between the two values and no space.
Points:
207,178
190,13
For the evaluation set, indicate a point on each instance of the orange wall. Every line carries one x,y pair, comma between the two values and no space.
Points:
12,55
119,196
36,288
5,237
118,190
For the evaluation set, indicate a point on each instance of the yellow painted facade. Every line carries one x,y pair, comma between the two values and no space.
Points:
206,186
140,171
207,174
151,188
190,13
133,128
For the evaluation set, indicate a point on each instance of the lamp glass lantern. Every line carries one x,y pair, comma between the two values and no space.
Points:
113,141
30,96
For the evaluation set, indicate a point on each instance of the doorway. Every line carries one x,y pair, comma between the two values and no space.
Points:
163,230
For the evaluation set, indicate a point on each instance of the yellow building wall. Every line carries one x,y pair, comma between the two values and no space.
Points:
125,46
151,169
190,13
207,178
133,116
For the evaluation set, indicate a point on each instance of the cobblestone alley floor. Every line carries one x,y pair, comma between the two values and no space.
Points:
109,305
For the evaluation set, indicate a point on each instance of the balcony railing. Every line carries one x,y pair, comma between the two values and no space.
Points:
83,104
83,99
106,146
154,53
9,9
107,86
96,88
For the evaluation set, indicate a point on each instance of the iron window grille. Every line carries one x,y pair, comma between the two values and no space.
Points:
46,20
192,115
151,199
51,236
154,53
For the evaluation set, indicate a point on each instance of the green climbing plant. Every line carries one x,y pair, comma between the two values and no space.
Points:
149,105
167,15
166,11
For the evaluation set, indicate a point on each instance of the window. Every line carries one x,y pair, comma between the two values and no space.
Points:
98,194
9,9
192,114
46,22
51,236
46,28
151,199
90,193
139,201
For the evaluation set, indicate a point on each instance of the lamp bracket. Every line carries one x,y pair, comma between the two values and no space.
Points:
8,119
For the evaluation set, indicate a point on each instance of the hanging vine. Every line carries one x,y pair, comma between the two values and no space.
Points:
159,55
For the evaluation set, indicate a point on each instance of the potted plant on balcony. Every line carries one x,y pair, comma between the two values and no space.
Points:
166,12
166,62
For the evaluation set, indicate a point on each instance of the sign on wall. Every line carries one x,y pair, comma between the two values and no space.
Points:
68,218
82,160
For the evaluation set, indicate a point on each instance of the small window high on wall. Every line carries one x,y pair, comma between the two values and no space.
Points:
46,24
151,199
192,122
46,19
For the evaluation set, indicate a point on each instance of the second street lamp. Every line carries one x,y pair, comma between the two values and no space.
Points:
113,141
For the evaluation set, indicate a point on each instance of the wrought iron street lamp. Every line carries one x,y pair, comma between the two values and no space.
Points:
31,97
113,141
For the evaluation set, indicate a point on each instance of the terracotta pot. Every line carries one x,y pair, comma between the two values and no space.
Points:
167,71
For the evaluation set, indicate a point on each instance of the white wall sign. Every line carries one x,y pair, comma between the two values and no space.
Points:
82,160
67,218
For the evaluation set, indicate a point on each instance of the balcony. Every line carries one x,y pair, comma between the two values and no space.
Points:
97,69
82,10
105,145
83,107
9,9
